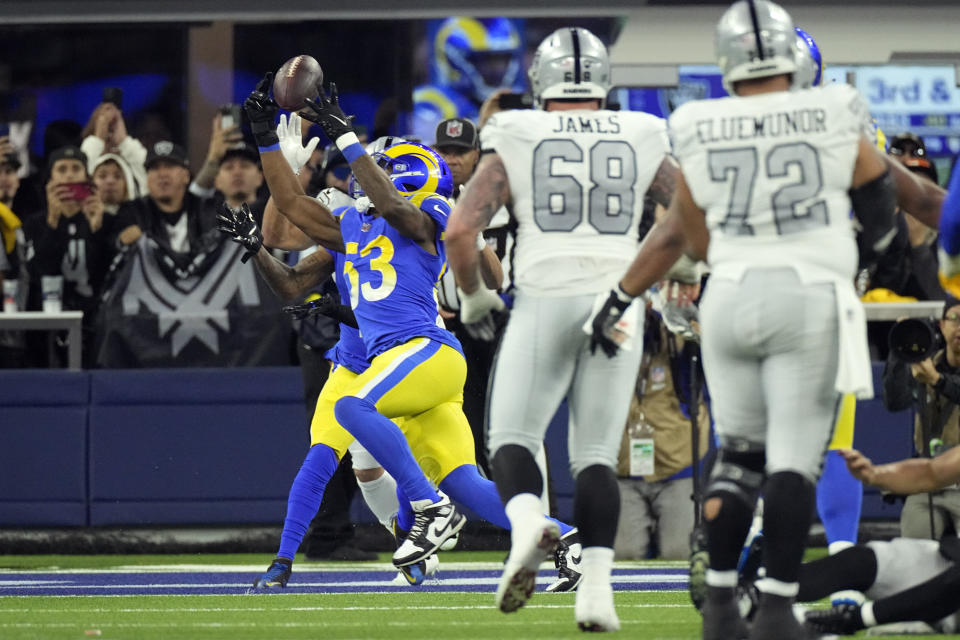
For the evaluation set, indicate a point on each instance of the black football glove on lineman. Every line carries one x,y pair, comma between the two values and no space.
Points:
325,305
242,229
326,112
605,320
262,112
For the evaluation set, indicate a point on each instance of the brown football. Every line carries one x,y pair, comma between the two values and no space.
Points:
296,80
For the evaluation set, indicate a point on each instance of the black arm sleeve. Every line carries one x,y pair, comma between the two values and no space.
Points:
898,384
929,601
875,204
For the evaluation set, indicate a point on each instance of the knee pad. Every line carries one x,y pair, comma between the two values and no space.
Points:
737,473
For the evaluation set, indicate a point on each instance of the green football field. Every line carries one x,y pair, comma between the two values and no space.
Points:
204,597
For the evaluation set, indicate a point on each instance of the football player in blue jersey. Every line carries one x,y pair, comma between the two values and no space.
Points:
392,256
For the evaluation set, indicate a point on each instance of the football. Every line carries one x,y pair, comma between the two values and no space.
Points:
296,80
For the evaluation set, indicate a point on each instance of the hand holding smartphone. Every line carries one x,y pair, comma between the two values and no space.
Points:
78,191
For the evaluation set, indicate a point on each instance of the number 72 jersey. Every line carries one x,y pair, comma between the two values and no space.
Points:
772,172
577,180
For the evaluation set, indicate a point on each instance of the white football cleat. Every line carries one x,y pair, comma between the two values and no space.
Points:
433,523
594,610
532,542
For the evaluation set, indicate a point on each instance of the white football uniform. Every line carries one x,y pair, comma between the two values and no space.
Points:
784,332
577,180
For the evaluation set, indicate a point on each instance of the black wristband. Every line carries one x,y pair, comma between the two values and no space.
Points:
264,133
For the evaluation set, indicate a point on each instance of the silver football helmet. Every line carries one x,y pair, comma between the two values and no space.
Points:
755,39
570,63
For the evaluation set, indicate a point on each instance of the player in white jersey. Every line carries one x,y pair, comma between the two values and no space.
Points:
769,178
574,175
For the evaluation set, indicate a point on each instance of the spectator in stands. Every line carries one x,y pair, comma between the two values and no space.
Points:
932,387
106,133
115,185
9,172
231,172
13,273
656,482
71,238
181,223
240,180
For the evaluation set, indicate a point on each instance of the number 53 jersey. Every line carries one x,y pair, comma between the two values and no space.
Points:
772,172
390,279
577,179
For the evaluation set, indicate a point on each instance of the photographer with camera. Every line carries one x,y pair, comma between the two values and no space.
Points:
924,373
658,458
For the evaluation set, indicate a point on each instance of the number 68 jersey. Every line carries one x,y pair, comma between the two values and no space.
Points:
577,179
772,172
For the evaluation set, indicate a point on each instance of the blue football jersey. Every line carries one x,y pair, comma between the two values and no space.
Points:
349,351
390,279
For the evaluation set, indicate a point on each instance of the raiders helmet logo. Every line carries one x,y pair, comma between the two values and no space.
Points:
454,129
163,148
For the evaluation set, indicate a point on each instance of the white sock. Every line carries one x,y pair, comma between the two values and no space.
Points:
521,506
778,588
596,564
381,496
726,579
866,614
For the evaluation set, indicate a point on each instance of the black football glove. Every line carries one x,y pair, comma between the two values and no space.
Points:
603,324
241,227
262,112
326,112
325,305
843,619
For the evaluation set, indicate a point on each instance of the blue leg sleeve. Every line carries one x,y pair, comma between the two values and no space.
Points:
386,443
466,486
839,496
306,493
405,512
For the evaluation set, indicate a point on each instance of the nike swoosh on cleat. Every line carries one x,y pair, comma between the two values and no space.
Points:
575,559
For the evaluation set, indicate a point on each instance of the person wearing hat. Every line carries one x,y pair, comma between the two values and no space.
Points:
458,144
175,218
70,238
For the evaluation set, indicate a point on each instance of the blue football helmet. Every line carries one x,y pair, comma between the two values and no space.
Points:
416,168
810,63
354,190
476,56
